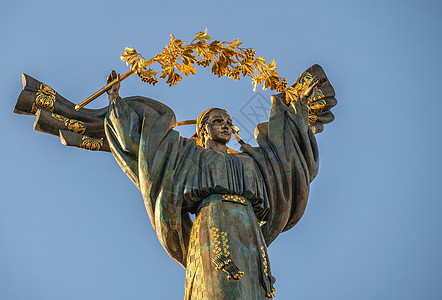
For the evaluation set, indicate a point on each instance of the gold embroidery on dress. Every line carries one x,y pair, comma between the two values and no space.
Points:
265,265
225,244
214,236
194,283
222,259
264,260
45,99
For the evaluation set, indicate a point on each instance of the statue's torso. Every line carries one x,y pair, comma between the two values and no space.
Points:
223,173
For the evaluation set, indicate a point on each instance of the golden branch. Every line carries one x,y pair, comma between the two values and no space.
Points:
226,59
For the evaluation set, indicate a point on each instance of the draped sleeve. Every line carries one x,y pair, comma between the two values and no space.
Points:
156,159
287,158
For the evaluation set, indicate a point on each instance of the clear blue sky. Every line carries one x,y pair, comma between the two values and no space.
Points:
73,226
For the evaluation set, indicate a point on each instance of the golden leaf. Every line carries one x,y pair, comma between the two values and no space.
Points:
247,69
225,57
126,56
177,43
260,63
164,74
168,67
217,68
130,51
170,77
123,56
202,36
176,65
186,69
271,82
290,94
172,38
267,83
178,77
272,65
214,47
173,79
131,60
235,44
137,65
187,57
201,49
150,72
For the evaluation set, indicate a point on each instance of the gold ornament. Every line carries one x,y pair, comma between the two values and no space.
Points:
225,58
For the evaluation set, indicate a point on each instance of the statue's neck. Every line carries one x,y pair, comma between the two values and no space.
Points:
218,146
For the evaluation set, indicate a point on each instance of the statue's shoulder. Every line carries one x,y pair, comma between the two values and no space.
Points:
140,104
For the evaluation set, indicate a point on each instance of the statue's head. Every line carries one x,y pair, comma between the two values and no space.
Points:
214,124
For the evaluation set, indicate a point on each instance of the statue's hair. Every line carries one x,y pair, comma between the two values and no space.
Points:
202,120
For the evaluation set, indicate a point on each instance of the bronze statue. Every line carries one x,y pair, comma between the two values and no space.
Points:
242,201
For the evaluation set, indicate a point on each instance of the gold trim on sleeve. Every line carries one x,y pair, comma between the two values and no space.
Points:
45,99
91,143
71,124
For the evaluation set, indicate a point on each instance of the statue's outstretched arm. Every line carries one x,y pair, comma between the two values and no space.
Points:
121,120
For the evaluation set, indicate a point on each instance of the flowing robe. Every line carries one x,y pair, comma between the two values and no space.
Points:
225,250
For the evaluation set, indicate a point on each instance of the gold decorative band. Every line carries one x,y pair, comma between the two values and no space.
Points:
234,198
222,260
91,143
71,124
45,99
194,277
264,260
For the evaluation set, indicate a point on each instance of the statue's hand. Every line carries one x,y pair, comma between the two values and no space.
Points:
113,91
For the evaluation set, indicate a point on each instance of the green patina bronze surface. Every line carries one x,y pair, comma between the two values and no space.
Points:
177,177
241,202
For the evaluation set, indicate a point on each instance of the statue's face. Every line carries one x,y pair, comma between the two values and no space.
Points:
218,127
